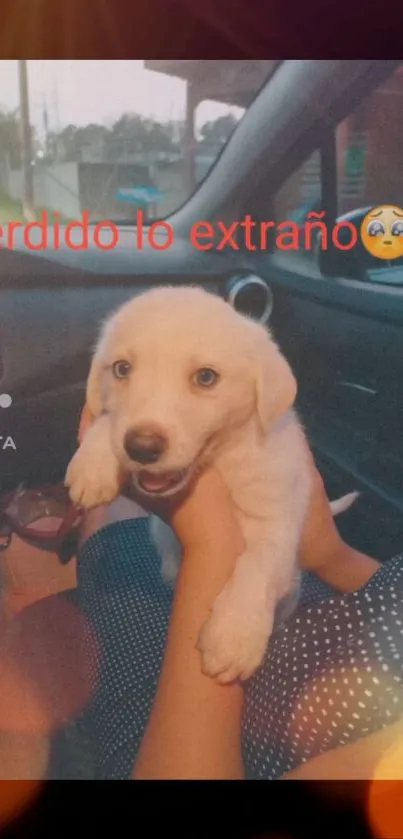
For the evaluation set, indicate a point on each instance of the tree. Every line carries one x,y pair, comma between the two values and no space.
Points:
216,133
10,138
133,134
71,141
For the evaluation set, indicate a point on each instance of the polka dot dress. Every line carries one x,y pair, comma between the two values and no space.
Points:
333,671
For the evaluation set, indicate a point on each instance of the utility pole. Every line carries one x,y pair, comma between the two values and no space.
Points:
189,140
26,143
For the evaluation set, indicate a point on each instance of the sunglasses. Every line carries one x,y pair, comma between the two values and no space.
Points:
45,518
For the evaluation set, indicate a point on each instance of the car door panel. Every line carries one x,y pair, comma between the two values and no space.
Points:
347,352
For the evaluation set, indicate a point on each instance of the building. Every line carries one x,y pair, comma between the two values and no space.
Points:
370,149
227,81
70,188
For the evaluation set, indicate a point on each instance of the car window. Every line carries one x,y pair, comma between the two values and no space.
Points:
370,150
113,137
368,163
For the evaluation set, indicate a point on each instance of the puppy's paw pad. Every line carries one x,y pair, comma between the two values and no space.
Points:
228,660
91,485
232,646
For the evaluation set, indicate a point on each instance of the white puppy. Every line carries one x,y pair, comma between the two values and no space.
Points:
179,380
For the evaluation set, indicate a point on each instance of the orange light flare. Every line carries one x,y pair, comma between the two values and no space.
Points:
327,713
24,754
43,684
385,791
43,678
15,798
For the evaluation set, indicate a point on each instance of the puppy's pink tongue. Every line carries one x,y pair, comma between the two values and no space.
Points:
154,483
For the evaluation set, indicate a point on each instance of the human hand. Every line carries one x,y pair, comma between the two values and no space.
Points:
321,541
207,515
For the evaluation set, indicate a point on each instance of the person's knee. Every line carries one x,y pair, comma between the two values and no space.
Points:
120,510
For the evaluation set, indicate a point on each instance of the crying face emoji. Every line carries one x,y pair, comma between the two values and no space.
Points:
382,232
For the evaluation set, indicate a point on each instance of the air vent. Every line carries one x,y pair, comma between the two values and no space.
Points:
251,296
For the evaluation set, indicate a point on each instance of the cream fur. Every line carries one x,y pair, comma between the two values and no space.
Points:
245,425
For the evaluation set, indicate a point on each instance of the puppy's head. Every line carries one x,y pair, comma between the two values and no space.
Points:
179,371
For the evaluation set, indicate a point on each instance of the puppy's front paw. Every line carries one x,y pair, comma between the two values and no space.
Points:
234,639
92,480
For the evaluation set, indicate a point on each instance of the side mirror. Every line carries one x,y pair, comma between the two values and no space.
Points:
347,257
351,263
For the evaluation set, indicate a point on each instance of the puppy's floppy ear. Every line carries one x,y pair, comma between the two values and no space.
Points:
94,391
95,395
94,381
276,387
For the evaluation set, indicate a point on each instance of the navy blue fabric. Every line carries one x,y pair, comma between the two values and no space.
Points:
332,673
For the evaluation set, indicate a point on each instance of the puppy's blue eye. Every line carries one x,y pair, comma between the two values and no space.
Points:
376,228
206,377
121,369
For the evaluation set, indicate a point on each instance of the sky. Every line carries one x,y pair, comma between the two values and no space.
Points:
80,92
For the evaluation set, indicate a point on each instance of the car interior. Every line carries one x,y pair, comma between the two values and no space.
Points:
318,140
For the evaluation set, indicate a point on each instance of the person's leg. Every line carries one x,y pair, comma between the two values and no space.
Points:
333,673
119,510
44,688
127,605
28,574
42,631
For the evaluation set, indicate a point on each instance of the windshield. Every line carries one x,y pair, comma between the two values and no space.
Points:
110,138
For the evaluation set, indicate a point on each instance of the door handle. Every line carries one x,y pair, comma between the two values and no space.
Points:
357,386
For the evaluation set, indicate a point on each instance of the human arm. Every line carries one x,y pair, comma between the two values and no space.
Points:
325,552
194,730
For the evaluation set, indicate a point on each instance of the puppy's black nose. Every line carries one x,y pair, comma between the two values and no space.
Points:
144,446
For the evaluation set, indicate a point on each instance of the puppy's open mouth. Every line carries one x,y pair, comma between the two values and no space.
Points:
163,483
